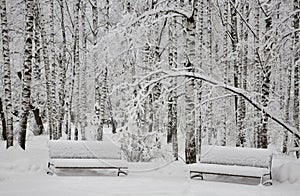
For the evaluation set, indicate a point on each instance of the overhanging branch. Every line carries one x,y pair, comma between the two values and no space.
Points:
164,74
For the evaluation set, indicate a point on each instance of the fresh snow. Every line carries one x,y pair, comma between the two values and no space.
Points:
83,149
236,156
24,173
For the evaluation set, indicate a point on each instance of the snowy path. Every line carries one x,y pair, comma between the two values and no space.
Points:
25,173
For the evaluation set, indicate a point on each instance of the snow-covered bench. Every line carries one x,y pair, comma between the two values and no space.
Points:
234,161
85,155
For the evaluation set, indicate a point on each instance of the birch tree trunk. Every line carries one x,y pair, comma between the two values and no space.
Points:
200,29
296,68
210,128
172,101
103,94
37,102
95,59
190,142
102,104
242,75
63,65
83,89
45,49
76,67
234,42
244,78
53,73
266,82
257,83
287,107
223,133
6,79
26,87
3,121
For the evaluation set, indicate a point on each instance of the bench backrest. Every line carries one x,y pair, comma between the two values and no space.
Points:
62,149
236,156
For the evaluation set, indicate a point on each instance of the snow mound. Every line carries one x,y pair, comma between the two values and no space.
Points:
288,172
15,159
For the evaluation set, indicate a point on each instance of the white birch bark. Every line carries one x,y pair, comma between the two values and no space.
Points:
83,90
296,69
76,66
53,73
190,142
7,76
62,68
266,81
26,87
257,74
103,87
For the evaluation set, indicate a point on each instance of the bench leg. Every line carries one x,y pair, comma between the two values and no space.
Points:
50,170
196,174
121,172
266,182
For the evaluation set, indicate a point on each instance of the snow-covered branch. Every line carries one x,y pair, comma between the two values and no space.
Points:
164,74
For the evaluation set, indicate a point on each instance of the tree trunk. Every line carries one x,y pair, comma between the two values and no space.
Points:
53,73
38,119
83,89
209,113
7,126
257,75
26,90
241,139
102,105
234,42
36,71
3,121
296,68
223,133
47,75
76,65
172,100
190,142
201,44
103,88
95,57
287,107
63,66
266,82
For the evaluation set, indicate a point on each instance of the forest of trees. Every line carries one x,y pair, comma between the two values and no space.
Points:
191,72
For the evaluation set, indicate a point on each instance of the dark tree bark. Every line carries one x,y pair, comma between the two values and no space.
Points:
296,69
3,121
8,127
26,91
38,119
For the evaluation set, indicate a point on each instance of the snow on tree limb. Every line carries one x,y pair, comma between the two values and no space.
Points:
164,74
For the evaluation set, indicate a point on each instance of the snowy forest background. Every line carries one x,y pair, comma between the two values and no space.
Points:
166,75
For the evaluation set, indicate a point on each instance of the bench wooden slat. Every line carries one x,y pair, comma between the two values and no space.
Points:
117,163
229,170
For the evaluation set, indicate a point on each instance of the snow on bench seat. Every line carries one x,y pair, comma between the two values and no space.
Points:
85,155
236,156
83,149
233,161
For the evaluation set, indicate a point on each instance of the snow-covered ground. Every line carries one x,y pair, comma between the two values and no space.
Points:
24,173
